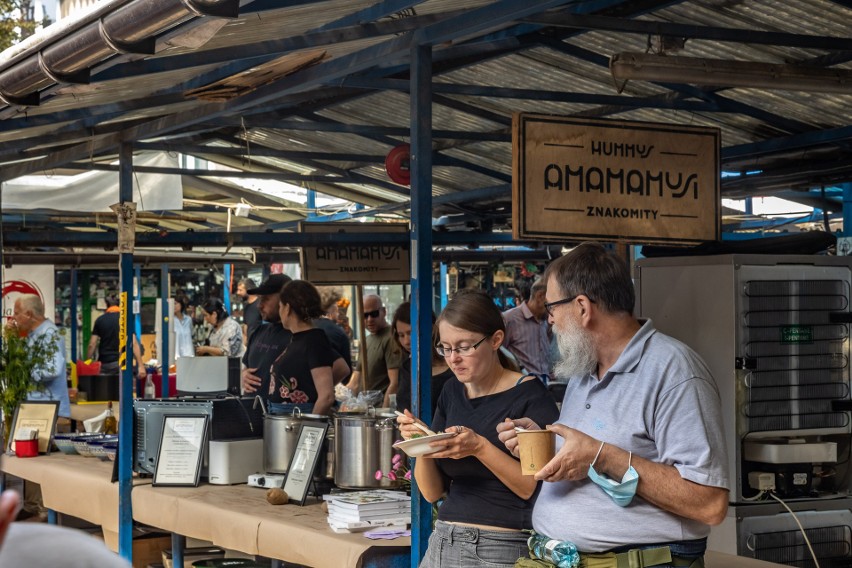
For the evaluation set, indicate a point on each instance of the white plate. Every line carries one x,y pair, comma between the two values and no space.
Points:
417,447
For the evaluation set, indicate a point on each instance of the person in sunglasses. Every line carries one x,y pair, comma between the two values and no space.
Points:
487,501
384,358
640,472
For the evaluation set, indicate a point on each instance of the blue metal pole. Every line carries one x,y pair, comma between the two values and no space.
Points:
125,426
226,291
164,329
312,205
73,308
421,272
442,285
137,304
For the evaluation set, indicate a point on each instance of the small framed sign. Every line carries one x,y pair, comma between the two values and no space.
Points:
300,472
38,414
181,450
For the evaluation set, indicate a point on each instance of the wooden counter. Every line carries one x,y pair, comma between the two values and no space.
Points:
74,485
236,517
239,518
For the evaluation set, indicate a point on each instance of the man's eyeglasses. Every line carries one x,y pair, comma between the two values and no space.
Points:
550,305
374,314
464,351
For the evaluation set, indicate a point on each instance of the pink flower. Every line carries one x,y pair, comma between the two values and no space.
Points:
391,476
379,475
396,459
407,475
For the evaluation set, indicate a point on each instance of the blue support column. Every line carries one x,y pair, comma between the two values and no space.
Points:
312,205
125,425
137,304
166,316
421,272
226,289
442,285
847,209
74,326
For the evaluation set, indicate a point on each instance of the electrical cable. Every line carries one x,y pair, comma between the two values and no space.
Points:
801,528
757,497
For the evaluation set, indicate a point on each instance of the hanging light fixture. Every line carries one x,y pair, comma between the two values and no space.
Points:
725,73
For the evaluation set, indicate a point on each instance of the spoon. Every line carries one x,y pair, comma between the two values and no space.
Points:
417,424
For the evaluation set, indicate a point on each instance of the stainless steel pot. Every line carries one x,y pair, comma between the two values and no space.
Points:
280,436
363,444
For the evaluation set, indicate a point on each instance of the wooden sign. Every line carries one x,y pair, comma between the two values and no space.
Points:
609,180
342,263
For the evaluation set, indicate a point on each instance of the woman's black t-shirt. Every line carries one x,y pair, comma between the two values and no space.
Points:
475,495
290,378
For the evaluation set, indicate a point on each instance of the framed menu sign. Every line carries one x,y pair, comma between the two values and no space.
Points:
181,450
39,415
301,469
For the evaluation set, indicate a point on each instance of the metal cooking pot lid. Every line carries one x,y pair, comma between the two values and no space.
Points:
322,417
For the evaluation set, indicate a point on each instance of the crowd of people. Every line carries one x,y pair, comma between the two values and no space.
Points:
639,472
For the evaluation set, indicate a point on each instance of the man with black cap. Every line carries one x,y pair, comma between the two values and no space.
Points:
268,340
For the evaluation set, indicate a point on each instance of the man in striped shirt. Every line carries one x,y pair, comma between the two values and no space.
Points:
527,333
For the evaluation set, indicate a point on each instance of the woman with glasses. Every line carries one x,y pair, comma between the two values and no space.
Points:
487,501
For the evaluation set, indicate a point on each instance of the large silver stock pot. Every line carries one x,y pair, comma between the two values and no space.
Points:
280,436
363,444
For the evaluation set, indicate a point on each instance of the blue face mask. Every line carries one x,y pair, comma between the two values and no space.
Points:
620,492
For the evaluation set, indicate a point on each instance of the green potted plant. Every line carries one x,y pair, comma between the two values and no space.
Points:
18,359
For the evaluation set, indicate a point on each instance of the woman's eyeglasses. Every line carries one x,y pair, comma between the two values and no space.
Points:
464,351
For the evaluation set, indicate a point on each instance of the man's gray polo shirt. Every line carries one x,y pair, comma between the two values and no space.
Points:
660,402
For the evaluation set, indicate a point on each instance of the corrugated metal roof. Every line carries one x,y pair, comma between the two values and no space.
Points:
353,104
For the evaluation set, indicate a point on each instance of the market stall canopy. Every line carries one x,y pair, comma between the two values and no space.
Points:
316,94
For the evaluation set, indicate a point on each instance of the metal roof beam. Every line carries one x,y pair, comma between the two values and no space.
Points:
381,10
252,54
258,151
443,158
349,193
29,239
279,176
262,121
472,110
810,199
649,27
502,190
724,103
535,95
795,142
233,192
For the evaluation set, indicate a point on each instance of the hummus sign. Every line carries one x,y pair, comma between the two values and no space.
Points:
614,180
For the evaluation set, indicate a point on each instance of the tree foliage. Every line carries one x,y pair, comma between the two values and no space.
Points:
17,21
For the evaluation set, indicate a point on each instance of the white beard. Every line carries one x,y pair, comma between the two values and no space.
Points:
576,352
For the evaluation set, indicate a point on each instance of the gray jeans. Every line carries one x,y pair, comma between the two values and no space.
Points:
454,546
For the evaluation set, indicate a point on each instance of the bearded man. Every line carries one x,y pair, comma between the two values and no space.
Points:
640,469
